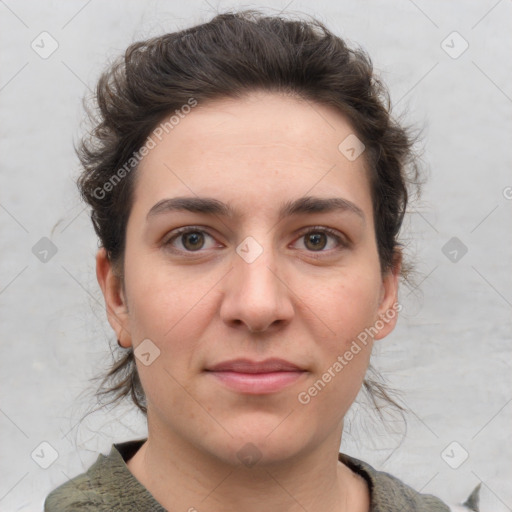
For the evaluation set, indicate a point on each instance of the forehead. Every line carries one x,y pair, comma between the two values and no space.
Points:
264,118
265,144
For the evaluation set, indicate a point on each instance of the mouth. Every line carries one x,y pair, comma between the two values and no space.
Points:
255,378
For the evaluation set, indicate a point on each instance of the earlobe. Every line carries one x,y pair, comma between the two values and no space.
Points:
388,306
115,301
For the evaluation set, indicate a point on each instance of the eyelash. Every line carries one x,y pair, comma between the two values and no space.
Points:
314,229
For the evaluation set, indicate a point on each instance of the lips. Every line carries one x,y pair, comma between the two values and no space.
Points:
248,366
256,377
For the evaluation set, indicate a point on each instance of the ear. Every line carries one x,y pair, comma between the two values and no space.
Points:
115,301
388,305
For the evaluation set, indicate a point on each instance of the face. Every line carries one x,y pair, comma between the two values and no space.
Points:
246,303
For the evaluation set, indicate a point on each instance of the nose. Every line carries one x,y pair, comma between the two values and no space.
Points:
255,295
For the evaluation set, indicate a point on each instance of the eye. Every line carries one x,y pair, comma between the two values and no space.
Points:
189,239
194,239
317,239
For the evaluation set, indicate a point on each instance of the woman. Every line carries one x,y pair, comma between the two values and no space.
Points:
247,185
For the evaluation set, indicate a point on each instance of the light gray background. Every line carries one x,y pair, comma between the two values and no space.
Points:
450,354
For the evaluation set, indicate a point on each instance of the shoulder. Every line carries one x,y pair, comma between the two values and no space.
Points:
88,491
388,493
108,485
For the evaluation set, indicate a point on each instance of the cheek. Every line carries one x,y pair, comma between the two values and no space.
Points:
173,311
345,311
161,299
347,308
174,322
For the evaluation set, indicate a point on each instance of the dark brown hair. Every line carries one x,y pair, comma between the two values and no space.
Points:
231,55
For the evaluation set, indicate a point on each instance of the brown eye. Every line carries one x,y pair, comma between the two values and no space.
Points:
322,240
315,241
189,240
192,241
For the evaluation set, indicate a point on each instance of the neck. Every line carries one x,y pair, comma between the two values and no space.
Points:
181,476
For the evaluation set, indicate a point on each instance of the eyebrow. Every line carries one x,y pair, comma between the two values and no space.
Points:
211,206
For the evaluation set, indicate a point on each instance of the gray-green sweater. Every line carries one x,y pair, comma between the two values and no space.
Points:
108,485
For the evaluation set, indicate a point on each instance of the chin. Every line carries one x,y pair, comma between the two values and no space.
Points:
265,446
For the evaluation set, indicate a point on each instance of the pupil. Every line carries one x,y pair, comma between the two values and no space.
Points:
317,239
195,240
